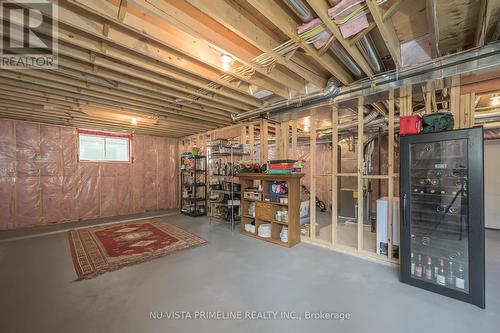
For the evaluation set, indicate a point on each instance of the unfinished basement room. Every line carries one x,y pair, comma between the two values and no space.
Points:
249,166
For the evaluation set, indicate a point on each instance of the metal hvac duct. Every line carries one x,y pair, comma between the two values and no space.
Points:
371,120
485,116
332,89
368,48
370,115
346,59
301,10
469,61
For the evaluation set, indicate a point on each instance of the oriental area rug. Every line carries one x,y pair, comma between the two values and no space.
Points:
97,250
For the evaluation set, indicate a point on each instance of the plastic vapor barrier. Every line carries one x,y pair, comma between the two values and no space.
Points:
42,182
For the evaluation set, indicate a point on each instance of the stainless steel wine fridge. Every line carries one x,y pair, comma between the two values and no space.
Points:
442,223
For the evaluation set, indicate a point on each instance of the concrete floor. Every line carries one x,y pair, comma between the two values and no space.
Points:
231,273
347,231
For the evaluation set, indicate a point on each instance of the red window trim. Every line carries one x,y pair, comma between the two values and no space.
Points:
115,135
130,137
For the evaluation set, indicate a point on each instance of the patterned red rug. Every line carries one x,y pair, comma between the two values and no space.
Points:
97,250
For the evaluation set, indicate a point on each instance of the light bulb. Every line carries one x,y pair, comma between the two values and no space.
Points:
133,121
226,66
495,101
225,58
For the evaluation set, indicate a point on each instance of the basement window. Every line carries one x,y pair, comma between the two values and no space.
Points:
96,146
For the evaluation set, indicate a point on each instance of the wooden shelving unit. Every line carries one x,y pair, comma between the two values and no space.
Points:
265,211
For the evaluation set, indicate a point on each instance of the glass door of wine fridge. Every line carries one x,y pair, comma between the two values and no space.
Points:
442,232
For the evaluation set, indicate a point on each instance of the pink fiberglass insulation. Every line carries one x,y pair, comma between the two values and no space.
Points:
321,38
322,167
52,198
69,150
416,51
28,201
150,173
138,166
7,195
109,201
70,203
7,149
41,180
89,191
171,153
342,9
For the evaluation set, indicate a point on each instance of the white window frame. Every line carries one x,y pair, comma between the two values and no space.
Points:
106,135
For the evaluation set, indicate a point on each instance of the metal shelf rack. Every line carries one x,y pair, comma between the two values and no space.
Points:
194,200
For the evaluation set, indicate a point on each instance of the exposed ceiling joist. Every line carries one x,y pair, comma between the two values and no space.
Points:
122,10
82,122
354,40
32,109
169,13
32,112
432,22
392,10
32,104
87,73
159,56
288,26
169,36
257,35
486,8
387,31
50,80
54,99
116,71
117,53
327,45
321,9
121,94
177,116
481,23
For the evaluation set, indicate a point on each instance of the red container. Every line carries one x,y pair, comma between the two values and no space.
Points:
410,125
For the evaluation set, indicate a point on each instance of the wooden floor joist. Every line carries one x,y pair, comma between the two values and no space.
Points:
173,38
187,113
235,19
321,9
287,25
387,31
70,31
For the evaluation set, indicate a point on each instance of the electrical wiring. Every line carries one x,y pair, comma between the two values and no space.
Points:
268,60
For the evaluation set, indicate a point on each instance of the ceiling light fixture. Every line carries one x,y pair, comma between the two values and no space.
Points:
133,121
495,100
226,61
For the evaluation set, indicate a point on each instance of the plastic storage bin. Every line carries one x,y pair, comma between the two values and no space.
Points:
410,124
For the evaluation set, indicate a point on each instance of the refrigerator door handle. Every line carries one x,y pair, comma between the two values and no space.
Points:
404,210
